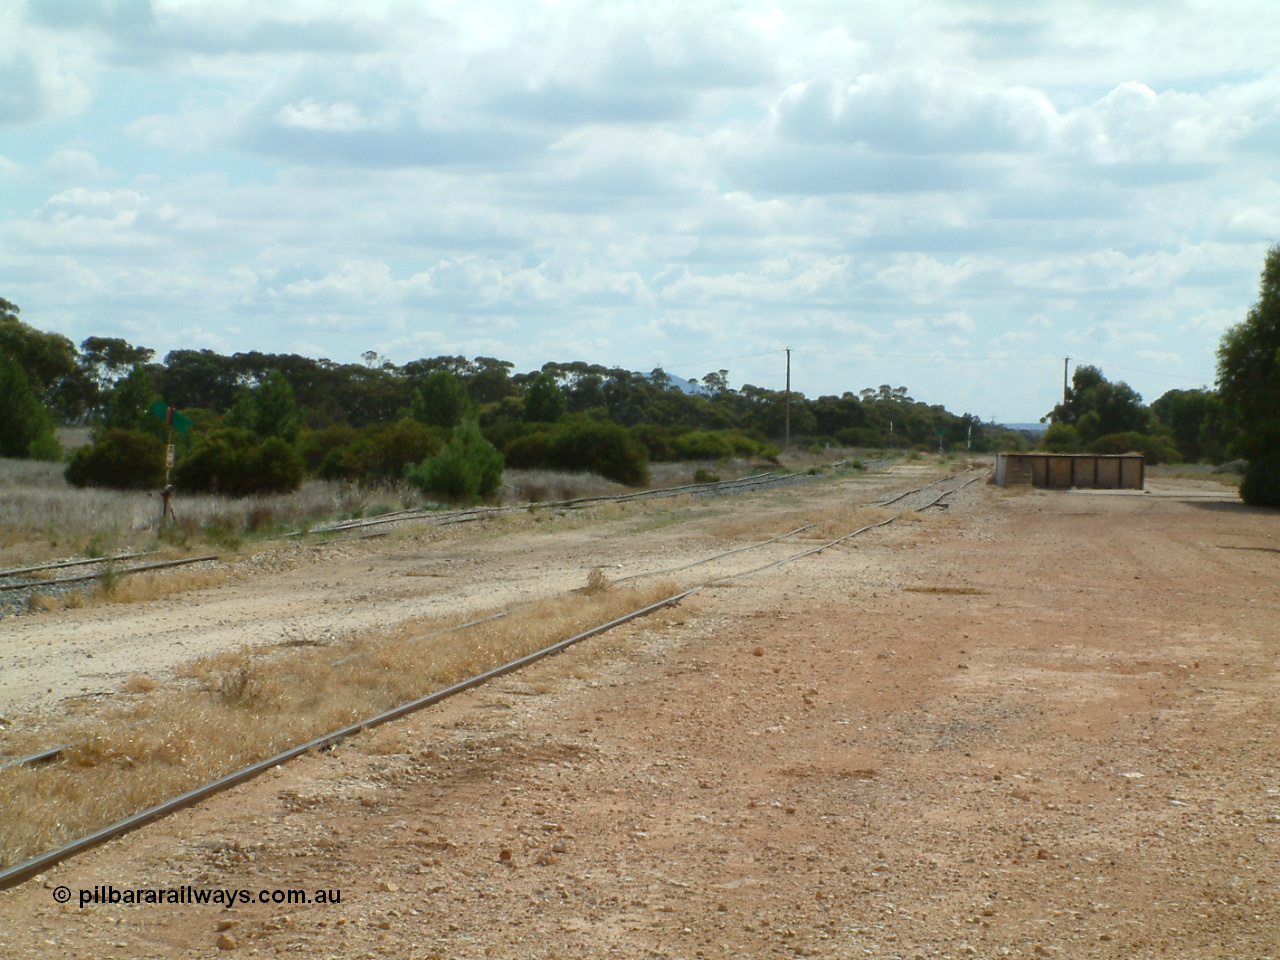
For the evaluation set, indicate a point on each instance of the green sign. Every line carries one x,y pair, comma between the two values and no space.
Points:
179,422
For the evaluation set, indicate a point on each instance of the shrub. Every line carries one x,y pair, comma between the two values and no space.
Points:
1261,485
378,453
1061,438
119,459
702,445
26,428
545,402
1155,449
602,447
314,446
468,468
236,463
533,451
441,401
658,440
860,437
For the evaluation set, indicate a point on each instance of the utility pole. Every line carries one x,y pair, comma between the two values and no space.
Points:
1065,361
787,441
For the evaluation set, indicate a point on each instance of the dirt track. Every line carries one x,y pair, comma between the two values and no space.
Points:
1045,725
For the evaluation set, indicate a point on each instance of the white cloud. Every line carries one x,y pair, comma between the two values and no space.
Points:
628,183
69,164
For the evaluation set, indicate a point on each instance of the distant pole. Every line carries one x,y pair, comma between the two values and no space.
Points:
787,441
968,439
1065,361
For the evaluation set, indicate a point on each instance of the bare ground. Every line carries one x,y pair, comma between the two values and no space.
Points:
1044,725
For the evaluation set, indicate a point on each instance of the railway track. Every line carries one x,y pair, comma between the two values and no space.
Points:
929,498
12,581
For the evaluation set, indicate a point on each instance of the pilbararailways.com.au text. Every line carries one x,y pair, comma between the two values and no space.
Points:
203,896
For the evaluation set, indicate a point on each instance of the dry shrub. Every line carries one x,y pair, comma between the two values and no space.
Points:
247,705
597,582
534,486
139,684
41,603
152,586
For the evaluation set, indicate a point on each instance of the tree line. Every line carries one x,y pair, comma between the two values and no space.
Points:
264,421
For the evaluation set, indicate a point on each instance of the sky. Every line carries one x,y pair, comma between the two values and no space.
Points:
949,196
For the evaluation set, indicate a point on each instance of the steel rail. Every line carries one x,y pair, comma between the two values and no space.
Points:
127,570
440,519
698,563
52,752
74,563
29,868
17,874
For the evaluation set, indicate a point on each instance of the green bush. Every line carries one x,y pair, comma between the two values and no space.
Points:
314,446
26,427
545,402
658,440
860,437
702,445
1261,485
1155,449
378,453
532,451
1060,438
579,445
237,463
120,460
603,447
468,468
665,444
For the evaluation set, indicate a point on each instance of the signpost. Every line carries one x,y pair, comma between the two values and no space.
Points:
175,421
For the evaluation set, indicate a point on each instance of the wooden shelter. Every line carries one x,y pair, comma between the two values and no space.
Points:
1061,471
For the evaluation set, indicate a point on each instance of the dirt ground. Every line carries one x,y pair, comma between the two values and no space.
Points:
1041,725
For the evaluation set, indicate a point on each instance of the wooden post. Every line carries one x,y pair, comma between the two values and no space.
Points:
167,493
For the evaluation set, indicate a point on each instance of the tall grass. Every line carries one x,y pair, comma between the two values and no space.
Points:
233,709
38,507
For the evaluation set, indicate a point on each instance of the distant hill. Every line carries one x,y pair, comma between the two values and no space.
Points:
688,387
1036,428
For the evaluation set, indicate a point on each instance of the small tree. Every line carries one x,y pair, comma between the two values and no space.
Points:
128,405
545,402
441,401
268,410
468,468
275,411
1097,407
1249,367
26,428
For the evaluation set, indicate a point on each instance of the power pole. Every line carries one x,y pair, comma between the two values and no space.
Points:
1065,361
787,442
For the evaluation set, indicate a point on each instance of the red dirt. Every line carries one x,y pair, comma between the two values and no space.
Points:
1045,725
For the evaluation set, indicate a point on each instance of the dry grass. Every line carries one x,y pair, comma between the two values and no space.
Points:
136,588
235,708
41,515
536,486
